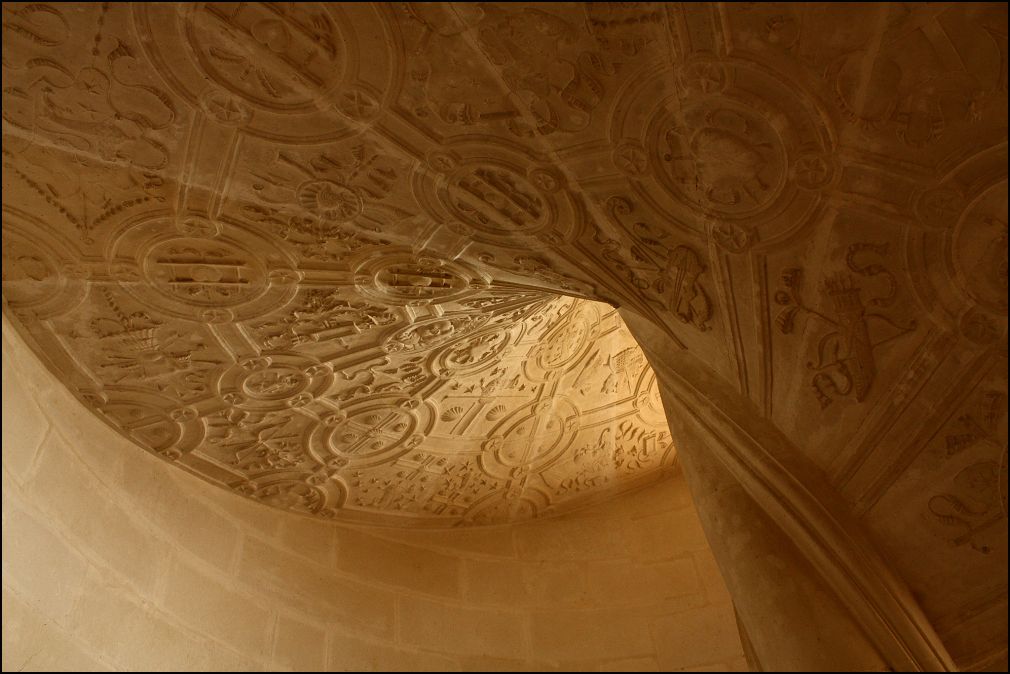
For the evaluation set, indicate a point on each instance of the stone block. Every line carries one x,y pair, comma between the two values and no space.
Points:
452,629
590,634
233,617
132,633
299,646
40,563
169,505
630,665
637,583
311,538
24,424
371,558
315,591
664,535
494,542
494,581
83,506
554,583
352,654
694,638
569,539
32,642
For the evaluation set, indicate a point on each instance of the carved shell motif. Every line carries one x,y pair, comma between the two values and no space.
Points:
452,413
496,412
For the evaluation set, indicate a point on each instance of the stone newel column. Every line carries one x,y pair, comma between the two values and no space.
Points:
793,621
811,592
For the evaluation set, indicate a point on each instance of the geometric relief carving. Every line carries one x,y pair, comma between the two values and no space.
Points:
965,69
496,200
446,90
978,425
297,495
201,272
845,360
274,381
424,393
98,110
519,44
473,440
496,196
427,334
553,66
129,347
205,276
979,249
273,338
566,343
724,142
409,279
372,431
958,248
309,50
287,71
472,353
37,271
321,196
540,269
298,247
612,453
158,423
87,139
319,315
723,160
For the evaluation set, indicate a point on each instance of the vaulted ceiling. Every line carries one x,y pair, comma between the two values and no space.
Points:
361,260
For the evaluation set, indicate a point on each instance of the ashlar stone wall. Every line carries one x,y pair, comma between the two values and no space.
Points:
114,560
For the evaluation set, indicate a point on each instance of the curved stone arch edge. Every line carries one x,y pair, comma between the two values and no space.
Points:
783,483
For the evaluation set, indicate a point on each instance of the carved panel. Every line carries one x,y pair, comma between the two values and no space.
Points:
284,71
958,248
497,196
844,362
726,141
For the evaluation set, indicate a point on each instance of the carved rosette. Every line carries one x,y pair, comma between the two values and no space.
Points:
289,72
408,279
648,402
273,382
372,431
200,275
158,424
565,344
40,271
957,249
496,195
533,436
727,142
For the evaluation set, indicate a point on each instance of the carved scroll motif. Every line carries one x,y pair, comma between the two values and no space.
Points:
845,357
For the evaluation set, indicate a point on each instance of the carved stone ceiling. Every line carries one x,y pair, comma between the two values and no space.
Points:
214,259
269,239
